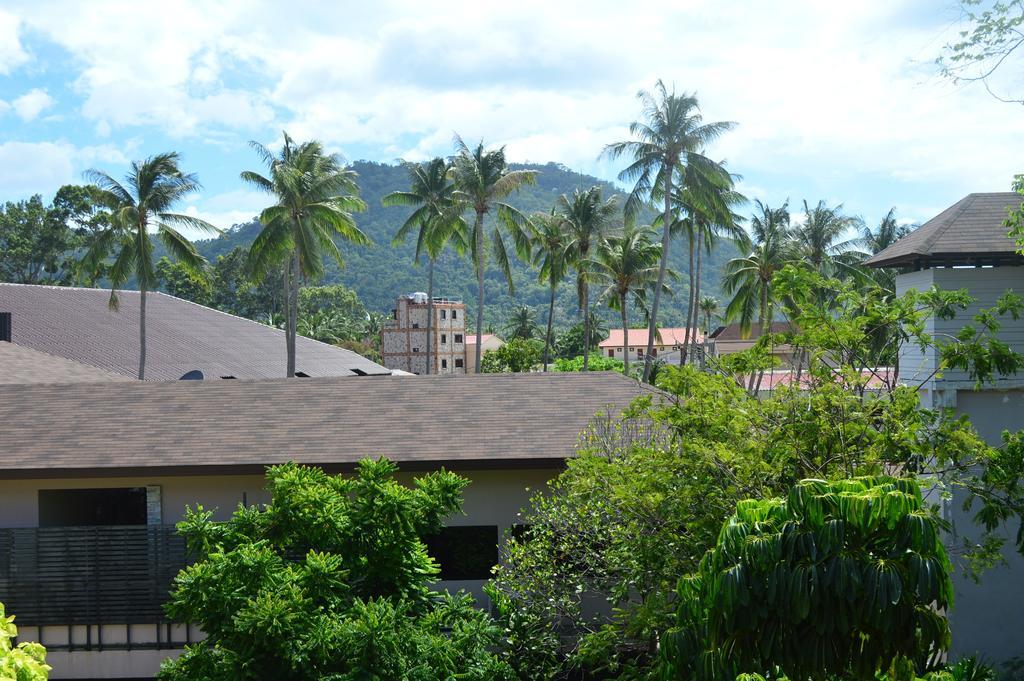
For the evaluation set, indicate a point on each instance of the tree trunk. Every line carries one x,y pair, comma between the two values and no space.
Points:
547,338
586,324
665,238
430,312
696,289
142,332
293,313
479,229
625,335
689,300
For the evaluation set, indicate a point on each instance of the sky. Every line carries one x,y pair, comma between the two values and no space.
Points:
839,101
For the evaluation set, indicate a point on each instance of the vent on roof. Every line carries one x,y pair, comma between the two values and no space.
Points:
5,326
359,372
301,374
228,377
194,375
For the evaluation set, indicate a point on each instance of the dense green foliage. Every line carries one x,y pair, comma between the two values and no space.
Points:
515,356
330,580
367,267
24,662
597,362
840,579
649,492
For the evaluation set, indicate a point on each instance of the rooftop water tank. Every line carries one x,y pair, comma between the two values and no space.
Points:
419,298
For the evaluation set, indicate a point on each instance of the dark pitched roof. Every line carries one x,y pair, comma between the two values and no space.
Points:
195,427
77,324
733,332
25,365
971,231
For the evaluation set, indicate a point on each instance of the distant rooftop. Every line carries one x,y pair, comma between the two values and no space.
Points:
667,336
19,365
734,332
970,232
77,324
484,338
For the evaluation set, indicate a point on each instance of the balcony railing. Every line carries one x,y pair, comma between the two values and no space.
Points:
89,575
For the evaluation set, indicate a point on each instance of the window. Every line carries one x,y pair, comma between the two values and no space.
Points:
654,352
444,338
458,364
466,552
611,353
639,352
103,506
415,325
444,314
455,314
458,338
415,349
444,364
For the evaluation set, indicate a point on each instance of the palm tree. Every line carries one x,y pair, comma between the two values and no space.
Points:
704,200
522,324
587,222
820,239
709,308
874,241
671,137
316,196
140,208
437,218
748,278
482,178
627,264
550,240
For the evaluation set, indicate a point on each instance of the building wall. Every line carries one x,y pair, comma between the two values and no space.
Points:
635,350
492,343
404,340
494,497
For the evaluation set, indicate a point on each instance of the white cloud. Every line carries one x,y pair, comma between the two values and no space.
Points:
32,103
226,209
42,167
12,54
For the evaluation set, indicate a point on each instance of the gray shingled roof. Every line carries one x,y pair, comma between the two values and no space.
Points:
969,231
77,324
25,365
734,332
195,427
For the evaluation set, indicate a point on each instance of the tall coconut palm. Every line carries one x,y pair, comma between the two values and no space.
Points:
550,240
704,203
673,135
748,278
824,235
139,210
437,220
482,178
709,309
627,265
587,218
874,241
522,324
316,196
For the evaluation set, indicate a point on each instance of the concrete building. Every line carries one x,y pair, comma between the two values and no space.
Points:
404,338
967,247
668,340
488,343
94,476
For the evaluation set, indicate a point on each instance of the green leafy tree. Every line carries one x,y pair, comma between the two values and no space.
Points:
597,362
522,324
436,218
139,210
853,570
672,136
182,281
23,662
989,46
626,265
748,279
587,221
316,196
482,179
648,493
550,242
571,342
329,580
518,355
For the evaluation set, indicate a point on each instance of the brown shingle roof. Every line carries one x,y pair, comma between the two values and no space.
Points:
733,332
25,365
506,420
971,229
77,324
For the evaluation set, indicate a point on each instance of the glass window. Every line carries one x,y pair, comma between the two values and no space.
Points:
444,364
455,314
466,552
458,338
104,506
443,313
444,338
458,364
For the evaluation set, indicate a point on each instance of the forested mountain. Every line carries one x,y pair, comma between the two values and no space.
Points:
380,272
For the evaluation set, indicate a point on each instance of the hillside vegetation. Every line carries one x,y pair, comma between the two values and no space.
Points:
380,272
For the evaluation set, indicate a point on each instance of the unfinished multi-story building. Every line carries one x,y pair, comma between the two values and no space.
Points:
404,337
